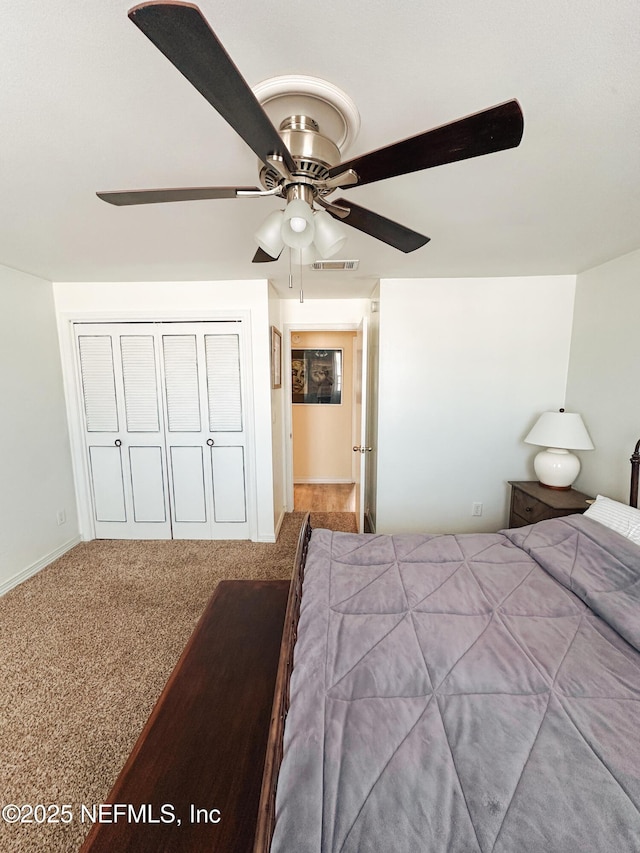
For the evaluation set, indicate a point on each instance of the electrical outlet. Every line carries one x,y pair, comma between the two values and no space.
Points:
476,508
61,517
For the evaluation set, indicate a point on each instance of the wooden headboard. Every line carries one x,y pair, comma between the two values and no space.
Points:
635,470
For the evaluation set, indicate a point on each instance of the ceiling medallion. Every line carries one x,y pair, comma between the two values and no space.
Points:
332,109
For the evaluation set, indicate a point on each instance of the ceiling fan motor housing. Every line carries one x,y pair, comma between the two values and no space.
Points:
313,153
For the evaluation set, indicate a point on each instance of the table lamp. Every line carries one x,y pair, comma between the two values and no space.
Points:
560,433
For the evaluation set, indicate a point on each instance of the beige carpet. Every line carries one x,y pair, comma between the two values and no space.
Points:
86,646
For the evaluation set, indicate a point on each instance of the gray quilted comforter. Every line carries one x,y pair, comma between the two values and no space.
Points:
466,693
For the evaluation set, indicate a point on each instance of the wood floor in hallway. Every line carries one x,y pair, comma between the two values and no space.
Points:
324,497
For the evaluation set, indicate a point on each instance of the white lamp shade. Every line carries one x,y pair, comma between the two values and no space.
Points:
330,235
297,229
560,429
269,236
306,256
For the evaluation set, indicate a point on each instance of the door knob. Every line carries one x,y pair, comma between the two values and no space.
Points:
117,442
357,448
210,442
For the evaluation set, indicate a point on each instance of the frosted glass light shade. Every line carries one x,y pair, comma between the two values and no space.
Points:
269,237
330,235
306,256
297,229
560,432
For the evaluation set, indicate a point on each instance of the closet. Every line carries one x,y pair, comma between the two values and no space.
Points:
164,429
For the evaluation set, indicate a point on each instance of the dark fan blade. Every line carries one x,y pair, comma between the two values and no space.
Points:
185,38
492,130
182,194
380,227
261,257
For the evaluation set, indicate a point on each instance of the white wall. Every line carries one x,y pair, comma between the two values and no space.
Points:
466,365
319,313
183,300
36,479
604,372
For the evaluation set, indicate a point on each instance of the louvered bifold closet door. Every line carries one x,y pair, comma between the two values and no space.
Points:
225,424
124,430
206,434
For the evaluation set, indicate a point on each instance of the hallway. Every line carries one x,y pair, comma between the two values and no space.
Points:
324,497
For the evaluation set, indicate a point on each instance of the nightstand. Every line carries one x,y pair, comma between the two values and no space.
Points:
531,502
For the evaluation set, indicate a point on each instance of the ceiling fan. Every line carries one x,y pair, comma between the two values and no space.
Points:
298,163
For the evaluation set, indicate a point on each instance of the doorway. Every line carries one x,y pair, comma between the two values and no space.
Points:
322,463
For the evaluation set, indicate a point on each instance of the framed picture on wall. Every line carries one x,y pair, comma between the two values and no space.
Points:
276,358
316,376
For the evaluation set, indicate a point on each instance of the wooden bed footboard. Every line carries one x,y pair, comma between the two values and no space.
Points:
267,808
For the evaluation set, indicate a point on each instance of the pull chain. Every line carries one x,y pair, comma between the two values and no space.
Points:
301,291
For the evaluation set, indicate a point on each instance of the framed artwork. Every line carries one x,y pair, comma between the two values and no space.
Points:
316,376
276,358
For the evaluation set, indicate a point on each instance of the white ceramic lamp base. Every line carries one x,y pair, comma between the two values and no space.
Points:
556,468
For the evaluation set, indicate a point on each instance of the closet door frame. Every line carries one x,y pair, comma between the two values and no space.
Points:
73,392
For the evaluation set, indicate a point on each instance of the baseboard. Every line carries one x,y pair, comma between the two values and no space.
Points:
320,481
34,568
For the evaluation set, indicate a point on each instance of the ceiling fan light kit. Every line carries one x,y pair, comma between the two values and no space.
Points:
269,235
301,161
305,257
297,224
330,235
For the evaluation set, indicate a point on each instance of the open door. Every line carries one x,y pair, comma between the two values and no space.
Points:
361,446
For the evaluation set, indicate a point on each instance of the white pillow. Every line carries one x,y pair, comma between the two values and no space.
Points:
617,516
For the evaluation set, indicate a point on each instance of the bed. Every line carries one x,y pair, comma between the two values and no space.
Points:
458,693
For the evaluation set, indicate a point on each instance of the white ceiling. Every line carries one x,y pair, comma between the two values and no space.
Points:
88,103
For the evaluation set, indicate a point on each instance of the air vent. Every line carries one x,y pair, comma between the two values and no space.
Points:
335,265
